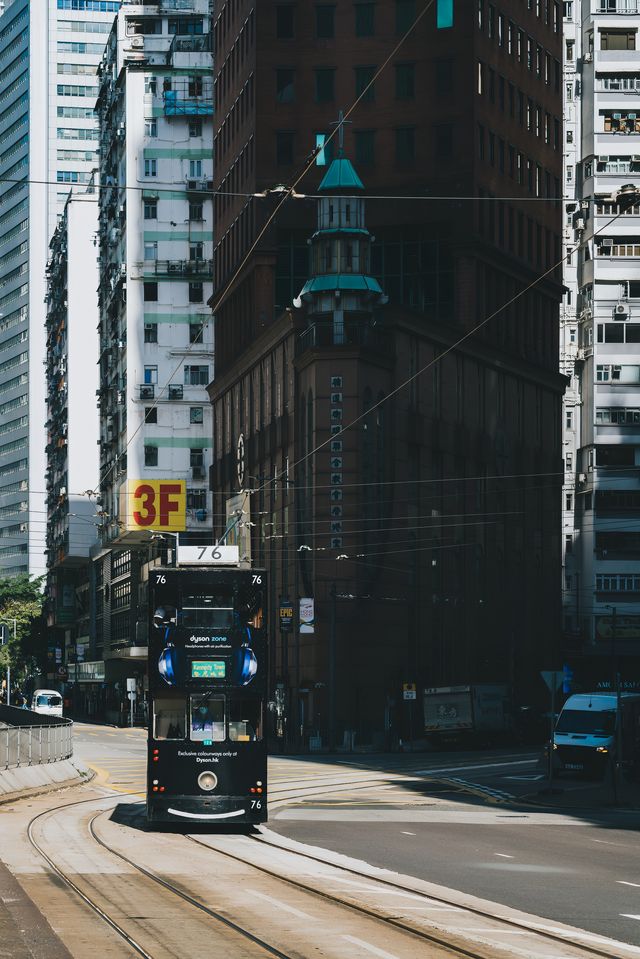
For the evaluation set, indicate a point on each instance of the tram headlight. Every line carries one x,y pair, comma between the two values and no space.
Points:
207,780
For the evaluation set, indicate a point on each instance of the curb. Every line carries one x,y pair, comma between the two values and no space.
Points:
33,791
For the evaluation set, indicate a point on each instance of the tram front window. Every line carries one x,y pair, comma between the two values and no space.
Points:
207,612
207,719
169,718
245,720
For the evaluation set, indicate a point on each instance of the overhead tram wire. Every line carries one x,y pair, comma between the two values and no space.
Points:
450,349
287,193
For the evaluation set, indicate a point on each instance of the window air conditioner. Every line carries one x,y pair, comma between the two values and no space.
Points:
617,116
176,392
606,241
197,472
582,477
588,57
174,268
635,159
603,159
631,116
146,392
620,309
192,184
136,43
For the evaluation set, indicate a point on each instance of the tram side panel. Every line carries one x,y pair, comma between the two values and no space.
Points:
207,682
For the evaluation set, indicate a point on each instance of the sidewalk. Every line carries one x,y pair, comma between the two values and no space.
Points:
24,932
570,792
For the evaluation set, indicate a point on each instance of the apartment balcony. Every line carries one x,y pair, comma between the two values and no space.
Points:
189,96
352,335
621,7
182,50
179,268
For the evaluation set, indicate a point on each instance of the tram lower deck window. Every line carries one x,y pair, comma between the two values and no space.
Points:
169,718
207,719
245,720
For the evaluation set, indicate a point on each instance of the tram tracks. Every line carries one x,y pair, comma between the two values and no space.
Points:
435,941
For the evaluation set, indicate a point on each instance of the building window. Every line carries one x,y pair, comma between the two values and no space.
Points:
568,419
195,128
444,15
405,15
405,144
325,85
151,456
444,76
150,85
364,77
150,292
151,209
284,21
150,168
284,147
150,250
196,251
196,210
443,141
196,293
364,147
568,543
196,375
405,81
284,85
617,39
150,375
151,332
196,498
151,128
195,168
151,414
568,505
568,461
196,415
365,19
195,86
325,21
195,332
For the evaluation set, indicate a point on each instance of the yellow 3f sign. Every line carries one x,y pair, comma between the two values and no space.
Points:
156,505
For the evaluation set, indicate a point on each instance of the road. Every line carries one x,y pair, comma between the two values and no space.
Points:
574,868
442,821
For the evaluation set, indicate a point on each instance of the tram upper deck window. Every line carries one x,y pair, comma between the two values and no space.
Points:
207,612
245,720
169,718
207,719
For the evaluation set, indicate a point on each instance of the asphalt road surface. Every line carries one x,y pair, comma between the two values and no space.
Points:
448,820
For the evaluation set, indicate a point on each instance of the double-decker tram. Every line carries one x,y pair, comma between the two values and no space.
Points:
207,757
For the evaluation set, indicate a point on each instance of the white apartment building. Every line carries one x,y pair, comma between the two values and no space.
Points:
49,51
156,243
600,337
72,417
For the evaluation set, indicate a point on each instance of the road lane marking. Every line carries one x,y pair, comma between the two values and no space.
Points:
623,882
372,949
629,915
503,855
281,905
407,833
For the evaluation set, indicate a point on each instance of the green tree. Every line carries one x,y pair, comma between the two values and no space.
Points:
21,602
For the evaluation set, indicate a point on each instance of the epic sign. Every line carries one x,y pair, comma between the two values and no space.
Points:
156,505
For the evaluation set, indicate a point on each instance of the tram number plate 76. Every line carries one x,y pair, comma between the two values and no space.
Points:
256,804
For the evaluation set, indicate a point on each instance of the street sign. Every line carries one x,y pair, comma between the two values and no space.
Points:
553,678
4,634
208,555
131,684
409,691
285,615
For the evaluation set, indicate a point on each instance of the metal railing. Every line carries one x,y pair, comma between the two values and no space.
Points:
31,745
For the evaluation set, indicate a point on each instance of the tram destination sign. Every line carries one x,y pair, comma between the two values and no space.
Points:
208,555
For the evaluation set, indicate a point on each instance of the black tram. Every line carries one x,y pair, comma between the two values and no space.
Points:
207,688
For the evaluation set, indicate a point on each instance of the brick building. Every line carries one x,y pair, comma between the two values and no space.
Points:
442,564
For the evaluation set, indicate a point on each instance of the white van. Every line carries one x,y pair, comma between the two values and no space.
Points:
584,738
47,701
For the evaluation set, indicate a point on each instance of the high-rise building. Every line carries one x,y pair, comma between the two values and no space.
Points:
601,339
72,425
428,535
49,51
156,335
